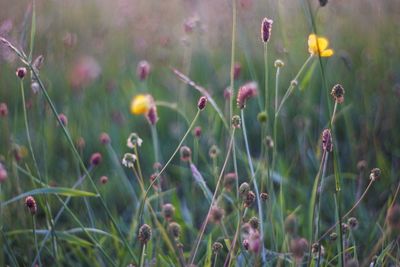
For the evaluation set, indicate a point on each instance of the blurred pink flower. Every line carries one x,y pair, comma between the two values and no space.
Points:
84,71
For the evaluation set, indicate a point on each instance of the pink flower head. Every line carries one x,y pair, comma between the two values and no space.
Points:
247,91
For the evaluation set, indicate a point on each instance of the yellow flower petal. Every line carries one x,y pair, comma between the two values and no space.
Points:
140,104
322,43
327,53
312,44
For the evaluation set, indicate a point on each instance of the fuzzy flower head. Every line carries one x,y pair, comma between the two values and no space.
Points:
327,141
247,91
143,70
266,26
30,203
129,160
319,46
134,141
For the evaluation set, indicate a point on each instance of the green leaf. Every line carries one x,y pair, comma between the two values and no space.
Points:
51,190
209,253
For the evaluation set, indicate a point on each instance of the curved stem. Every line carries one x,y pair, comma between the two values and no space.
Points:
232,57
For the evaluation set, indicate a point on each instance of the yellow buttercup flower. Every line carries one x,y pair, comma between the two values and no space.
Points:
318,46
141,104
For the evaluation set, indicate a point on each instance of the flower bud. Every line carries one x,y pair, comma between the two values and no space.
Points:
201,104
144,235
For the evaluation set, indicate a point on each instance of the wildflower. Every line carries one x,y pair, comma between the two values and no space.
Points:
80,143
338,93
319,46
269,142
35,87
249,200
168,211
333,236
21,72
103,179
294,83
298,246
375,174
152,116
353,223
157,166
264,196
246,244
327,141
266,26
144,235
128,160
262,117
254,241
317,249
84,71
213,152
141,104
201,104
143,70
393,217
291,224
134,141
236,121
174,229
361,165
236,70
63,119
254,223
216,214
245,92
216,247
30,203
197,131
104,138
229,180
3,174
227,93
186,154
3,110
96,159
153,177
345,228
279,63
244,188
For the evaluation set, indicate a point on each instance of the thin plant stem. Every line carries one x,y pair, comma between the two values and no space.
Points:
215,260
35,238
142,255
266,78
334,112
203,227
250,162
232,57
156,145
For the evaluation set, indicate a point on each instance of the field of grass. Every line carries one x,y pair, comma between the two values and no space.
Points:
175,133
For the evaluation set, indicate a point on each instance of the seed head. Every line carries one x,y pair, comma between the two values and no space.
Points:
214,152
197,131
246,92
144,233
216,214
143,70
63,119
338,93
236,121
294,83
3,174
236,70
291,224
103,179
315,249
104,138
216,247
298,246
266,26
327,141
129,160
186,154
21,72
229,180
279,63
345,228
361,165
168,211
3,110
134,141
174,229
35,87
151,115
333,236
353,223
393,217
375,174
201,104
323,2
264,196
254,223
269,142
96,159
249,200
244,188
30,203
262,117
